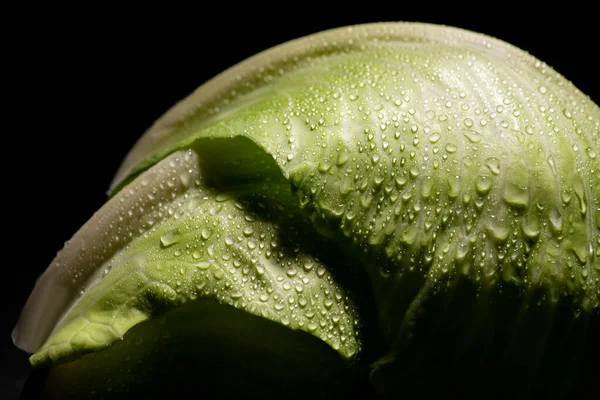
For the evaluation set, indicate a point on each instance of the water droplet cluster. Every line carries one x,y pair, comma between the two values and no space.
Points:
202,243
458,156
433,153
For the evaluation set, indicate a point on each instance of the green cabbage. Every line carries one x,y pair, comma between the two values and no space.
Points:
414,203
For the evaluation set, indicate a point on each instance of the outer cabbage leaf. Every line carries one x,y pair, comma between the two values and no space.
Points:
462,173
238,246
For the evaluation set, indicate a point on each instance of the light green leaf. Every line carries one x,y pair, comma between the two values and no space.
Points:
433,152
238,246
459,171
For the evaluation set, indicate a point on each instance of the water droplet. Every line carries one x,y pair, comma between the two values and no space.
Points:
217,272
170,238
221,197
580,193
343,157
493,164
461,252
531,226
236,295
414,172
324,165
498,230
566,197
205,233
203,265
291,272
580,251
453,186
451,148
483,184
552,164
472,136
516,196
435,137
556,220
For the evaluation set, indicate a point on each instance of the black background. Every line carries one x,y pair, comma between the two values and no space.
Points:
84,83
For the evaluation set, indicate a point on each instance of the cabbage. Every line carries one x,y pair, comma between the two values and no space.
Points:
414,204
